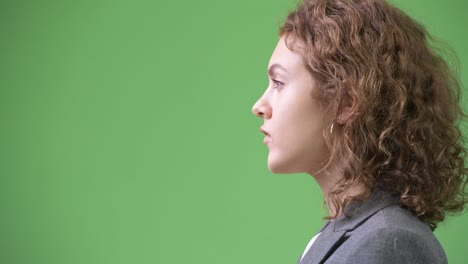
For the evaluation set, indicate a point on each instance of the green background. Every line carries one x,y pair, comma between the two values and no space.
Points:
127,134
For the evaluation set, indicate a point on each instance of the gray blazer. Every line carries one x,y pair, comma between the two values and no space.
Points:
380,231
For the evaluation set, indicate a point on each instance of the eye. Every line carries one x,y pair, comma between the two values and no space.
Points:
277,84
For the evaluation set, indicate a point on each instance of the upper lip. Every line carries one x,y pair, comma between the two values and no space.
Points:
264,131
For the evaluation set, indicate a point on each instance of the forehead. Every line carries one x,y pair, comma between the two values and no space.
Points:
284,56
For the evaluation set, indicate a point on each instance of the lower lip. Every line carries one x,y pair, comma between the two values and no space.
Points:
267,139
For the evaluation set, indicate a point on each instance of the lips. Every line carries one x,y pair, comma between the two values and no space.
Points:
267,138
264,131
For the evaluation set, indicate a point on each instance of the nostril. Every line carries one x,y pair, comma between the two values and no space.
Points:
261,110
257,112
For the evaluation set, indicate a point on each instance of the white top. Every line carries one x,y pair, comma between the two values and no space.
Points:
310,244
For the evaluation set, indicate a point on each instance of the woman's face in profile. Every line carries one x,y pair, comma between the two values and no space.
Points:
293,119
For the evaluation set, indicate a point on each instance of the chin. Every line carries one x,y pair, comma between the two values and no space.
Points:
286,164
276,171
277,167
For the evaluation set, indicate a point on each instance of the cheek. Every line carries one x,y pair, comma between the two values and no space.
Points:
304,129
297,117
298,145
292,130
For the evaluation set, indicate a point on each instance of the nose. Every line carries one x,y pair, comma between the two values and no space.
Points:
261,108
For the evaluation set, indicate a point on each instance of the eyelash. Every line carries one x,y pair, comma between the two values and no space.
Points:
276,84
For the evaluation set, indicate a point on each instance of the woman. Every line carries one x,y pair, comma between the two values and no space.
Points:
358,99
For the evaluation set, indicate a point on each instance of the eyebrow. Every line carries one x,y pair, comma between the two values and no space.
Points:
274,67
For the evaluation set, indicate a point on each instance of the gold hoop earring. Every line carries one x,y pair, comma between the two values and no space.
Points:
331,128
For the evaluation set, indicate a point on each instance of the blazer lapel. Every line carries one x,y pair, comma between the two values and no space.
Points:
323,246
334,232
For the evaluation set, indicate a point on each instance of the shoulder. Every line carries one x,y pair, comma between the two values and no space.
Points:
392,235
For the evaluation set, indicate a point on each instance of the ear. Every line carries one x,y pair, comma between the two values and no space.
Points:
347,109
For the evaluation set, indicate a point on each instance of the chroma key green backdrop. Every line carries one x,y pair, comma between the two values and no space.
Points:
127,134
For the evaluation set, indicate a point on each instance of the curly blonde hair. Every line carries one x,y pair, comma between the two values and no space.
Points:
404,136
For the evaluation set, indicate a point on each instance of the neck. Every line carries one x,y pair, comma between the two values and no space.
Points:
326,181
